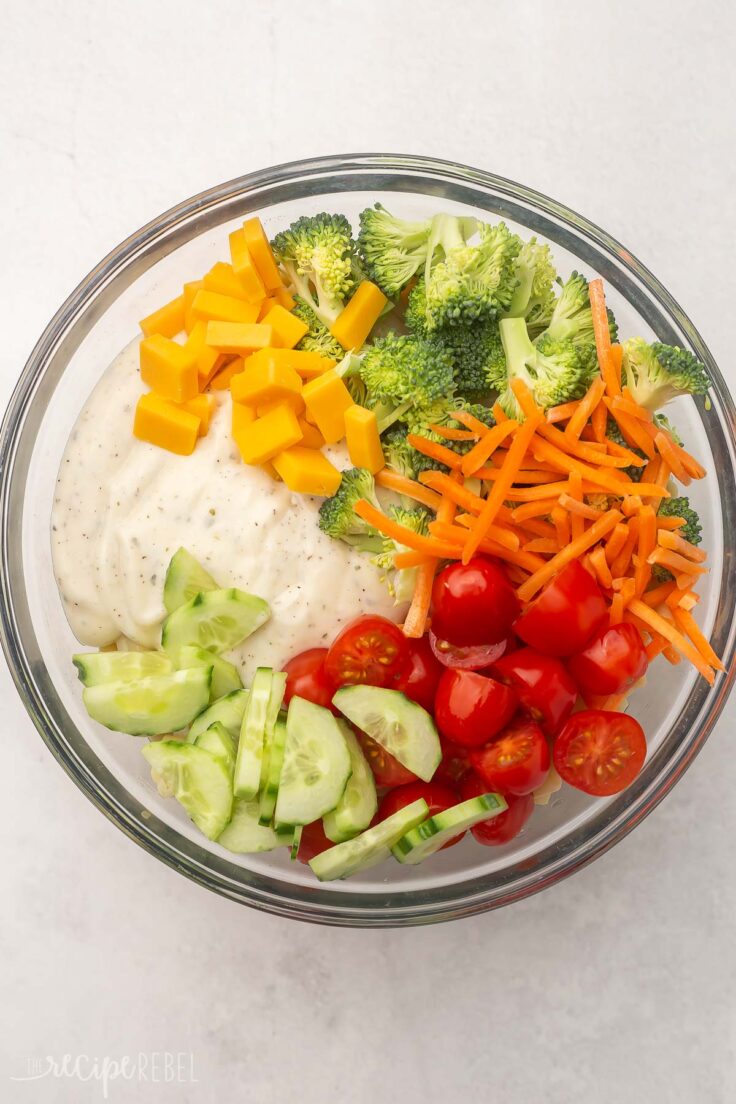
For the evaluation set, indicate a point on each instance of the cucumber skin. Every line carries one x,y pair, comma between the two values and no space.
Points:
270,791
226,710
343,823
195,681
97,668
180,763
252,743
303,714
183,573
245,836
412,847
225,675
375,842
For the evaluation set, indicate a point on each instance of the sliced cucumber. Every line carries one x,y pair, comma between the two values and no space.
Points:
245,836
316,764
151,707
198,780
296,840
428,837
357,806
94,668
218,620
399,725
273,753
185,579
228,710
225,676
370,847
278,686
218,742
252,734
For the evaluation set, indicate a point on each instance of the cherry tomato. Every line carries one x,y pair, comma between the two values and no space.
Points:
563,618
306,677
313,842
472,658
419,681
502,828
387,771
516,762
612,662
473,603
471,709
600,752
438,799
370,649
546,691
454,765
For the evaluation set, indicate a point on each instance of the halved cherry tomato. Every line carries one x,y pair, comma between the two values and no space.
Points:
313,842
473,603
600,752
438,799
516,762
306,677
369,650
454,765
502,828
546,690
387,771
611,663
472,658
419,681
563,618
470,709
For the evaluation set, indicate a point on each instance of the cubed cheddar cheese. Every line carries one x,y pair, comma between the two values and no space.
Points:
223,379
167,320
222,279
284,298
355,322
188,294
238,337
208,360
242,417
260,250
327,398
169,369
212,306
288,330
311,436
363,439
307,364
163,424
202,406
264,438
245,269
265,307
307,471
263,382
296,402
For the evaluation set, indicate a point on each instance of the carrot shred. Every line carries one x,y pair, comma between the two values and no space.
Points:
435,451
676,543
492,438
541,508
632,430
566,555
400,533
646,543
600,566
587,451
602,334
451,533
620,565
411,559
577,521
675,562
562,412
582,509
453,490
659,594
542,545
617,360
599,422
631,505
689,600
616,541
451,434
416,618
630,409
498,413
670,523
400,484
655,492
470,422
672,656
585,408
616,614
685,581
666,449
689,463
561,520
495,533
666,629
545,451
527,477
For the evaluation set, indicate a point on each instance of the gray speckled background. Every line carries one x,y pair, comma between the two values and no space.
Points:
616,985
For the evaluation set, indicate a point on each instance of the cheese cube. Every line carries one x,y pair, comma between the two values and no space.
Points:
202,406
355,322
264,438
212,306
238,337
222,380
245,269
263,382
288,330
284,297
169,369
206,357
242,417
188,294
307,471
222,279
167,320
169,427
363,439
327,398
307,364
260,250
311,436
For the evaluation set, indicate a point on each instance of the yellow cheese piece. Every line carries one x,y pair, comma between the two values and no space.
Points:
311,436
262,383
188,294
202,406
238,337
169,369
288,330
221,381
162,423
355,322
245,269
327,398
307,364
307,471
265,307
296,402
212,306
242,417
264,438
284,297
206,357
269,469
260,250
167,320
363,438
222,279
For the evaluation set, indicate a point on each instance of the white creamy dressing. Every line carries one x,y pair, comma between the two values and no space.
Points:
122,508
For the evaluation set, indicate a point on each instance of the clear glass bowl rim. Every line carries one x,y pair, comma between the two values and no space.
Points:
320,905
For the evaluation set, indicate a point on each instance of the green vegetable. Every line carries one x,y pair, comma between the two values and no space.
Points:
406,379
534,297
691,531
338,519
473,281
572,318
655,374
401,583
393,250
318,254
556,371
318,339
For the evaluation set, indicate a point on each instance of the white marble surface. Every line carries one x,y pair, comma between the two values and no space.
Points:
616,985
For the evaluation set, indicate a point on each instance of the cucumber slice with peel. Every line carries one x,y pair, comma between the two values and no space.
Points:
218,742
152,706
217,620
357,806
95,668
198,780
399,725
185,579
275,701
228,710
225,676
316,764
296,840
370,847
248,764
245,836
430,836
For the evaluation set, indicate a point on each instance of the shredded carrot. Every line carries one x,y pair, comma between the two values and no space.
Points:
677,543
574,506
633,431
451,434
588,451
620,565
656,646
416,618
566,555
631,505
435,451
526,399
613,703
451,533
599,422
498,413
624,405
685,581
542,508
400,484
646,544
689,600
492,438
545,451
675,562
495,533
665,628
616,614
542,545
561,520
411,559
654,497
528,477
616,541
672,656
617,360
400,533
657,595
670,522
456,492
471,422
603,337
689,463
562,412
600,566
577,521
586,406
532,526
675,598
668,452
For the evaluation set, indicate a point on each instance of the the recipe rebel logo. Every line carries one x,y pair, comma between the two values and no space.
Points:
157,1067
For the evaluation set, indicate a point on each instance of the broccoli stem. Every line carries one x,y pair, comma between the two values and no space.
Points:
517,344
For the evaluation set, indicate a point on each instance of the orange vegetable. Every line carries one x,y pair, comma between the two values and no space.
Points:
451,434
581,509
676,543
585,408
599,422
647,540
161,423
666,629
571,552
668,452
602,334
491,439
561,520
435,451
474,424
625,405
600,566
575,494
620,564
675,562
416,618
633,431
400,484
430,546
562,412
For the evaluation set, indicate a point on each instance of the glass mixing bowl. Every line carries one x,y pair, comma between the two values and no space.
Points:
677,709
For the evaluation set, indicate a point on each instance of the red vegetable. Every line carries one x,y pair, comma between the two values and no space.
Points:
306,677
516,762
419,681
387,771
313,842
611,663
565,615
369,650
472,658
504,827
470,709
473,603
546,691
599,752
437,796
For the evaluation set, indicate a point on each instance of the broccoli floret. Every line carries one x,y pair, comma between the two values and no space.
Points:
614,433
318,254
401,582
406,460
664,423
319,339
393,250
655,374
400,456
473,281
406,379
534,297
572,318
337,517
691,530
556,371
